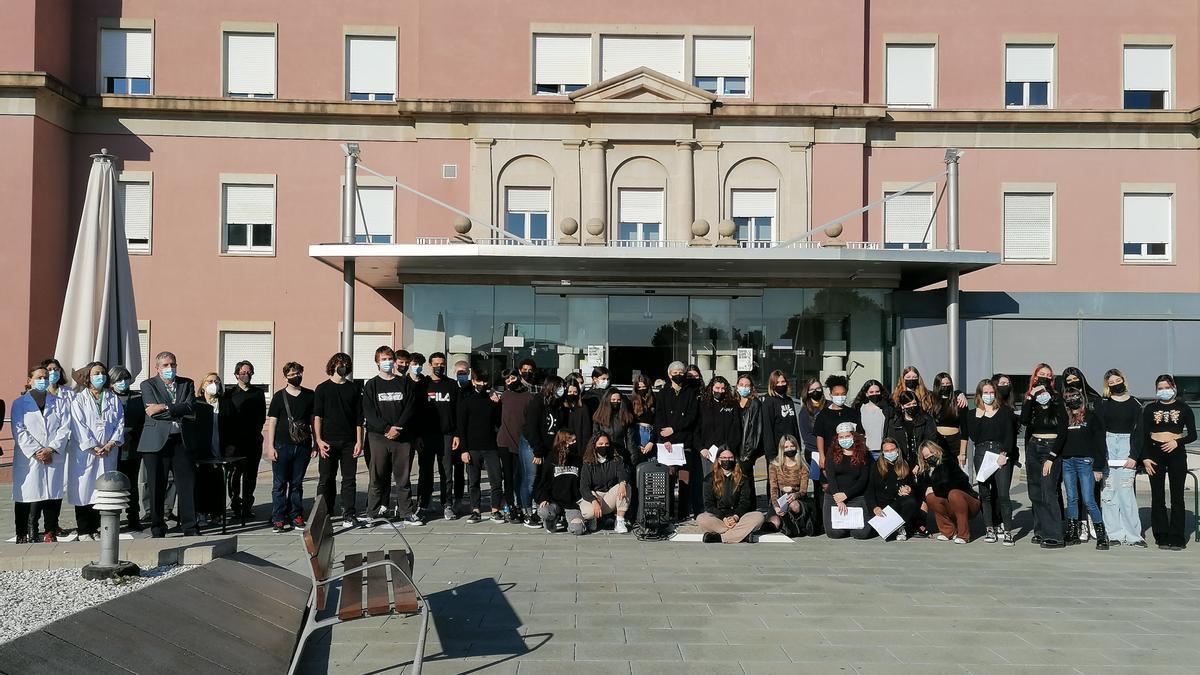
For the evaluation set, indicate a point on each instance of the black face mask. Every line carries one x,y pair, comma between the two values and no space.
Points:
602,450
481,388
615,406
401,370
1117,389
295,381
1074,402
1045,381
728,464
342,371
643,392
946,389
678,379
718,395
781,389
875,398
440,371
816,395
1003,390
571,398
910,411
528,377
910,385
790,453
516,386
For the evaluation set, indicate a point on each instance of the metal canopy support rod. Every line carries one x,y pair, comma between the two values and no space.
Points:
952,293
349,211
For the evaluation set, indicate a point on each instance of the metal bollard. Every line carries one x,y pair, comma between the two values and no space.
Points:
112,496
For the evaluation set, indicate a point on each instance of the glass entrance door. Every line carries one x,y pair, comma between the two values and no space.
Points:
645,334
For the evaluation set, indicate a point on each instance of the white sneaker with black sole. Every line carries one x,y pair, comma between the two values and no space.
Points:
448,513
414,520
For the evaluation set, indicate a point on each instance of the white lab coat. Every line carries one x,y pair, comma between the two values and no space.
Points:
33,430
92,426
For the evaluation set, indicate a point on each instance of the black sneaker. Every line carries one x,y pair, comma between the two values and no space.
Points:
413,519
496,517
921,533
1052,543
279,527
474,517
533,521
1140,544
1035,539
1164,547
712,538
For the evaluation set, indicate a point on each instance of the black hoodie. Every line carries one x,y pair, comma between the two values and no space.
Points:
720,425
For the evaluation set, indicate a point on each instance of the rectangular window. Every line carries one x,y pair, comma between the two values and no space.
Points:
134,207
257,347
370,68
561,63
147,358
908,221
641,215
527,213
249,221
363,353
126,61
754,214
375,221
1028,74
1028,227
250,65
1146,226
911,73
621,54
1147,77
722,65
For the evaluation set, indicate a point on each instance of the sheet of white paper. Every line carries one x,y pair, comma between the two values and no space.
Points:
672,456
887,522
1116,463
853,520
782,502
988,467
712,453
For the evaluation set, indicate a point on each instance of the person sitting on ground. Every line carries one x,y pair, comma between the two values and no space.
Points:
948,493
893,484
729,515
557,491
603,484
847,473
787,475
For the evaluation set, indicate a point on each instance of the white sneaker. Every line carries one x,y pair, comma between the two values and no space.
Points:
959,540
620,527
901,536
942,537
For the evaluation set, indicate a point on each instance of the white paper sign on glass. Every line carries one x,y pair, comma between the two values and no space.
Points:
989,466
671,455
516,341
745,359
887,522
853,520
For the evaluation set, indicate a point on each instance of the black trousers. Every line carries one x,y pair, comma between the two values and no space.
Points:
131,466
210,490
243,477
491,460
909,509
1044,491
27,515
341,456
174,457
435,451
1168,526
390,460
508,466
997,507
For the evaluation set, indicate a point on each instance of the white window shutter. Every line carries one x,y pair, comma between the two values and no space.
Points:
126,53
1029,63
528,200
144,347
364,346
250,63
1147,218
134,204
753,204
728,57
250,204
372,64
910,75
256,347
1148,68
620,54
1028,226
906,219
641,206
377,211
562,59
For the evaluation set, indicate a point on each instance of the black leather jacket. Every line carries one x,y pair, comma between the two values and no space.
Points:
752,431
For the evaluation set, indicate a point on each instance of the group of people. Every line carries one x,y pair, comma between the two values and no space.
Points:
563,454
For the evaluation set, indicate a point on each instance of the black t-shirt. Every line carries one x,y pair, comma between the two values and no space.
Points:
340,408
302,411
828,421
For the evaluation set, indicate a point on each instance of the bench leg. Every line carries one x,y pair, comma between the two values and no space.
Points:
1196,505
305,632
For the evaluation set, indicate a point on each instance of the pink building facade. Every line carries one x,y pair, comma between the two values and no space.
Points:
654,155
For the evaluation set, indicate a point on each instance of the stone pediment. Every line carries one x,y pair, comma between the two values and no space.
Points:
643,90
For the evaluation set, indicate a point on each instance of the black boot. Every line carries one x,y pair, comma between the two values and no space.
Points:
1101,538
1071,532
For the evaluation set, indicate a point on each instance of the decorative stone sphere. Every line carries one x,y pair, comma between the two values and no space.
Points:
595,227
462,225
568,226
700,228
726,228
834,231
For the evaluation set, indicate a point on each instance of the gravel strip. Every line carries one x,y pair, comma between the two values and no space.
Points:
33,598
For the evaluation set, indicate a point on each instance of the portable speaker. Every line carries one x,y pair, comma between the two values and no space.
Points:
654,515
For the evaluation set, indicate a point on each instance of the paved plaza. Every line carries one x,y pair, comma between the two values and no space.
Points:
508,599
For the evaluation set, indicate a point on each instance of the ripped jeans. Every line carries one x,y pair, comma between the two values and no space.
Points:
1118,500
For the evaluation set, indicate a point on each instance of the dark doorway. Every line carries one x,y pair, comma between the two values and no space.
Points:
646,333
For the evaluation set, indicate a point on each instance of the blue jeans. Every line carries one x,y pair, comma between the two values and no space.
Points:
1079,482
526,472
1118,501
287,472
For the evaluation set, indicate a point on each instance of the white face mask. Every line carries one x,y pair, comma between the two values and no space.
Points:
602,384
212,388
988,399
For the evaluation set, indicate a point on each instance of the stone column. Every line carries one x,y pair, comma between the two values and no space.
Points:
595,188
683,202
482,200
708,183
793,198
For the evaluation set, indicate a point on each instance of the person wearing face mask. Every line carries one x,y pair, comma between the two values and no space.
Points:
910,425
170,404
847,472
944,409
527,371
893,483
989,427
338,433
557,491
615,418
693,373
289,425
729,516
389,403
809,411
720,424
594,395
1045,422
544,418
59,384
513,403
1082,456
1121,415
1073,377
209,431
1167,426
478,419
97,432
437,440
245,414
947,492
676,414
604,484
779,417
576,410
41,427
642,405
787,475
128,461
750,407
873,409
912,382
462,375
837,413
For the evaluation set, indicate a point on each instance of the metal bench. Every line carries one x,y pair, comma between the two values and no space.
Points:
384,594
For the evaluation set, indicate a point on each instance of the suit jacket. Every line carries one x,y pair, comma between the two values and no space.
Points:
180,408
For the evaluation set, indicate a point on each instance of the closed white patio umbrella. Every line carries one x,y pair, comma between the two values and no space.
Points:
99,321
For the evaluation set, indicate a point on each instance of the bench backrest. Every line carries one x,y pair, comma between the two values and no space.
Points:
318,540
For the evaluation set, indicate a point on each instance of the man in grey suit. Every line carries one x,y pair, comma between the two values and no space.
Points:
169,401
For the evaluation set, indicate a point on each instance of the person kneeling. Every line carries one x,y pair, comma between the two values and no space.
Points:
603,484
848,473
948,493
892,484
557,491
729,514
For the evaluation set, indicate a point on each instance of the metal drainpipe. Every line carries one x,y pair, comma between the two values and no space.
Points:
952,290
349,211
